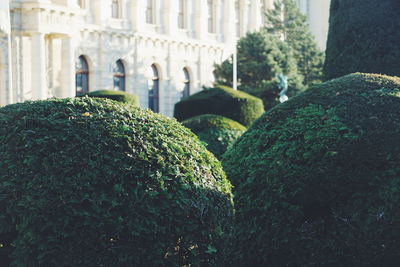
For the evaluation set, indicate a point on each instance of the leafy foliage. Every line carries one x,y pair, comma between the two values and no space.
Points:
286,20
261,57
363,37
218,132
222,100
123,97
90,182
317,178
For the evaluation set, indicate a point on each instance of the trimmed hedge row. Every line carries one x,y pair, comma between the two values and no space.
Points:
224,101
317,178
218,132
89,182
119,96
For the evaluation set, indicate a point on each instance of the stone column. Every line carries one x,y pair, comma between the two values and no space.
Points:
170,19
201,20
255,19
16,66
217,17
245,5
68,67
6,96
138,15
189,18
6,90
101,11
229,24
39,86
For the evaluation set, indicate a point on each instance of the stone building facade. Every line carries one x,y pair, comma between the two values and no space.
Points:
160,50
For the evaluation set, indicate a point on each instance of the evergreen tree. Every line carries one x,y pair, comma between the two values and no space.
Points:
286,21
261,57
363,36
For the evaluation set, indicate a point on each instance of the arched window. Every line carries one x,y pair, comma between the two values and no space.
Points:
154,84
82,76
186,83
115,9
119,76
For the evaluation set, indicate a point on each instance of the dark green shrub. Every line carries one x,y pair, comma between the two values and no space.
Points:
218,132
317,179
269,91
119,96
224,101
363,37
89,182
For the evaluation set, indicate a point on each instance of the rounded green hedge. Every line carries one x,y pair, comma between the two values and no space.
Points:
224,101
89,182
317,179
218,132
363,37
119,96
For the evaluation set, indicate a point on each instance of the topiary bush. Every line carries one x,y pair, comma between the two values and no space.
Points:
363,37
89,182
218,132
224,101
317,179
119,96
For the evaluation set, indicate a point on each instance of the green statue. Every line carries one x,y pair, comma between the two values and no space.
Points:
283,86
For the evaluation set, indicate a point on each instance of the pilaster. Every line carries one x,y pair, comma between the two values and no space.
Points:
170,12
201,19
255,20
101,11
39,85
6,92
68,67
138,15
229,20
218,17
245,7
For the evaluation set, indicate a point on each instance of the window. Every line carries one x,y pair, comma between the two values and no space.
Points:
115,9
150,12
211,18
82,76
182,14
186,83
119,76
154,83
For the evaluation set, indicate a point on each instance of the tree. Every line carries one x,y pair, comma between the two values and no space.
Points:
286,20
261,57
363,37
